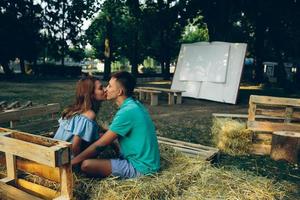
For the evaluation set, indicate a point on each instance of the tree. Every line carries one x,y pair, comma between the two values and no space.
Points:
63,22
19,32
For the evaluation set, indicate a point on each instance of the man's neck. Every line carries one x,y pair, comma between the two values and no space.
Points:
120,100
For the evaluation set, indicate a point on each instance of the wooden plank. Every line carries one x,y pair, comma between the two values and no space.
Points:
187,144
171,99
288,114
263,136
14,104
51,173
154,99
147,91
182,146
16,115
66,189
37,190
17,147
8,192
3,103
243,116
178,98
272,126
272,113
278,101
27,104
251,110
11,166
161,89
260,149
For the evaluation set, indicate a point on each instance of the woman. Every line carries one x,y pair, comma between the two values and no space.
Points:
78,121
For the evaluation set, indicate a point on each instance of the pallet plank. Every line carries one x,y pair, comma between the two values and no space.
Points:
16,115
8,192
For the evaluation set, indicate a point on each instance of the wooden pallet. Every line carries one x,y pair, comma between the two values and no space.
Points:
278,114
29,118
266,115
47,158
191,149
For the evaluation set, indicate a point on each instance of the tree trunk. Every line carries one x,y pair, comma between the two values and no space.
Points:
22,65
108,49
286,146
107,69
167,70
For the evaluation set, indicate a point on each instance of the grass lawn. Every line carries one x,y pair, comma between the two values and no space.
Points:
190,121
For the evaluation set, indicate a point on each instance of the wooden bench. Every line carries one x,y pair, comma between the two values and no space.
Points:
171,94
45,157
29,117
143,95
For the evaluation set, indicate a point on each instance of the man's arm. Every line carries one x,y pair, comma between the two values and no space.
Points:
93,149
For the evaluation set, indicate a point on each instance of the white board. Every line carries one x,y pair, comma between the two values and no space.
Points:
208,88
200,62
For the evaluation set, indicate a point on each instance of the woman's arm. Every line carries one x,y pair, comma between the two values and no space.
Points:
76,146
94,148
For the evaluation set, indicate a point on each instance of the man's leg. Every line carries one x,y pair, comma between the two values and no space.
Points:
96,167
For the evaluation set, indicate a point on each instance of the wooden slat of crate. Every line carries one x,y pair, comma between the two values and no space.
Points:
8,192
37,190
38,169
278,101
260,149
272,126
33,145
16,115
192,149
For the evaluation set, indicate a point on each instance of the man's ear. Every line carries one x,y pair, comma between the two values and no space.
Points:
121,91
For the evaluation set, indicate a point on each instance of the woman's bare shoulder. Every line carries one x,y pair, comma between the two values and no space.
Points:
90,114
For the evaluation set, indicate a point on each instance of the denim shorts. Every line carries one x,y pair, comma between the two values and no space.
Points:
123,169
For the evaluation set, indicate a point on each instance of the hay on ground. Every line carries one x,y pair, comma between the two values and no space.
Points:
231,136
181,177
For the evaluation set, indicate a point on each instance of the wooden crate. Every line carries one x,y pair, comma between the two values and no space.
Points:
28,117
191,149
41,156
268,114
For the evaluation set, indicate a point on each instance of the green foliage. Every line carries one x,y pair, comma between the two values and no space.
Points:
77,54
195,31
63,22
19,32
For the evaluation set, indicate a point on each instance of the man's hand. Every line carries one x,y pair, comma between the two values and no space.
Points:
93,149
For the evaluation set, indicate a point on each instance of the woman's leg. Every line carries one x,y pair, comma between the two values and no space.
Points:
97,167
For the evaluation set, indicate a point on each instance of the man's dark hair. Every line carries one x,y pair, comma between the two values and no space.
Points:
127,81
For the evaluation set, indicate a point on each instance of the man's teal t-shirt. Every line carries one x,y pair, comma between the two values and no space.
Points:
137,137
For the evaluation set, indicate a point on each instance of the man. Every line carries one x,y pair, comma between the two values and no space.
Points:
133,128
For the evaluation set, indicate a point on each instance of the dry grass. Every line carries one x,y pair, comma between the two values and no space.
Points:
231,136
181,177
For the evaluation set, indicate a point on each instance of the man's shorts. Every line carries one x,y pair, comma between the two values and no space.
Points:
123,169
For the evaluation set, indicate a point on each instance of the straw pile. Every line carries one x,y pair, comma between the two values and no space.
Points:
231,136
182,177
